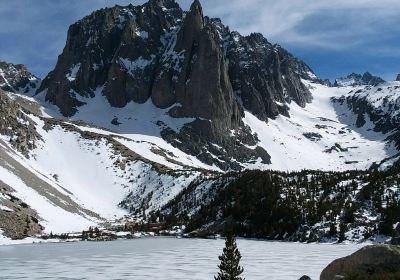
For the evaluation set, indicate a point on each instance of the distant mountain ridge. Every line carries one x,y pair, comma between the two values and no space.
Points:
378,104
17,78
366,79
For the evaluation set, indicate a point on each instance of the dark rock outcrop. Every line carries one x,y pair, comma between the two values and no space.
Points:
185,62
118,49
398,78
367,79
371,262
16,125
396,235
16,78
17,219
380,104
265,76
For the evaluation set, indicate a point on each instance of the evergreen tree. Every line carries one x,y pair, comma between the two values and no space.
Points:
230,258
84,235
342,232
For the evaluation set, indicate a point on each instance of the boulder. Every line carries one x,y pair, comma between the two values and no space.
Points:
370,262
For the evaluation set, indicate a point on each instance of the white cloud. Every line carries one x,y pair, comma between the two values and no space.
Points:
358,25
350,23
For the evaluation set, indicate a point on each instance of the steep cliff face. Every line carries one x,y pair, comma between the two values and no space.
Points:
201,87
16,78
115,48
184,62
266,76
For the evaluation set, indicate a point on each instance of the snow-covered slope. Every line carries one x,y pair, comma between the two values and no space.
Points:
137,126
381,103
322,136
77,176
377,109
106,163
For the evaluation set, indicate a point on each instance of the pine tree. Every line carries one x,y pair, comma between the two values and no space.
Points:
230,258
342,232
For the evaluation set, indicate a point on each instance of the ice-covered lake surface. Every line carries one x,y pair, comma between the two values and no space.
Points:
164,258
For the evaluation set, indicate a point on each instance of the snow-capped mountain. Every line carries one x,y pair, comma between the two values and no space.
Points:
17,78
158,54
367,79
149,103
146,76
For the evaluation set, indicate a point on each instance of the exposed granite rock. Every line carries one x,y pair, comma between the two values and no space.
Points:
193,65
371,262
265,76
16,78
116,48
17,219
16,125
203,89
398,78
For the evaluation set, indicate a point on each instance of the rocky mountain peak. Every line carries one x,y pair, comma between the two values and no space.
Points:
372,80
354,79
192,25
196,14
258,37
16,78
196,6
398,78
185,62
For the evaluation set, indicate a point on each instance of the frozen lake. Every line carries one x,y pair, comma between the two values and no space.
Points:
164,258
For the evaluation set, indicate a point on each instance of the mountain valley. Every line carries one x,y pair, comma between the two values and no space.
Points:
155,113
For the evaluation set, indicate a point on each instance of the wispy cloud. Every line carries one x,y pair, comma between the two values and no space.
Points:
34,31
322,24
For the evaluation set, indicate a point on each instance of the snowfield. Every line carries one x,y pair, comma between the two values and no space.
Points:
140,123
93,175
54,218
321,136
385,98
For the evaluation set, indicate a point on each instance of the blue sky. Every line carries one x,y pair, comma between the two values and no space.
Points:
334,37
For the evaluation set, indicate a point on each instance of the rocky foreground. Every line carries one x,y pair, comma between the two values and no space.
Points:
371,262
